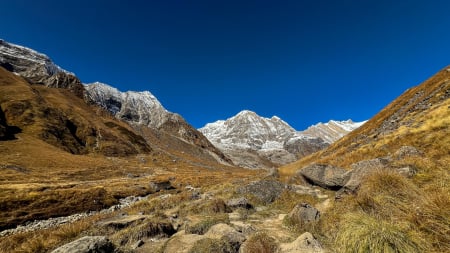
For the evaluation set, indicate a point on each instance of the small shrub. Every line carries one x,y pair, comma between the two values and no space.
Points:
363,233
208,245
203,226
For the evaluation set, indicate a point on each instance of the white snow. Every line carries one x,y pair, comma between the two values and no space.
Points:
31,55
143,106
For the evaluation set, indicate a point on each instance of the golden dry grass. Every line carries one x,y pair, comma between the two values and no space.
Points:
391,213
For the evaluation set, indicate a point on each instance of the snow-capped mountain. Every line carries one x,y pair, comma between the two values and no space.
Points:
333,130
164,130
17,59
134,107
247,130
253,141
142,109
37,68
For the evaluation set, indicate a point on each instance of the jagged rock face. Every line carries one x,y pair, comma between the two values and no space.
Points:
333,130
143,109
37,68
252,141
140,108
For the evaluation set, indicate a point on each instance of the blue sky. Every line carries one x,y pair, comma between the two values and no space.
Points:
304,61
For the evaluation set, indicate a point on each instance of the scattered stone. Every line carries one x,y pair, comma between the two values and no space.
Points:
241,202
304,213
325,176
87,244
266,191
305,243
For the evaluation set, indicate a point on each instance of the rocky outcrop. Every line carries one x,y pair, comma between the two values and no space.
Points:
37,68
325,176
142,109
265,191
87,244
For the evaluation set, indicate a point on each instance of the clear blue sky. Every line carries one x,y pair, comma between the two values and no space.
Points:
305,61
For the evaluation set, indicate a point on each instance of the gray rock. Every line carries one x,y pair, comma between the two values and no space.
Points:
225,232
372,164
239,203
304,213
265,190
325,176
87,244
305,243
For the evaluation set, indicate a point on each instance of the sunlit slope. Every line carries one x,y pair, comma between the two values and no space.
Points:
420,117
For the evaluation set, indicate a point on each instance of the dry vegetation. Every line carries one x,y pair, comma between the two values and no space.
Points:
391,213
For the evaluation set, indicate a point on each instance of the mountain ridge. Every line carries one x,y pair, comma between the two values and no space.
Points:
269,141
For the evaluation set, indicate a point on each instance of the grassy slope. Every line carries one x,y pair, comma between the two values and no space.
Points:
44,175
391,212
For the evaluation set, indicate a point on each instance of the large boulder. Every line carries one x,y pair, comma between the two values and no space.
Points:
87,244
226,233
305,243
325,176
265,191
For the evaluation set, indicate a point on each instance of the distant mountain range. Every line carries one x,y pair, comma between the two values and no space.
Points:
253,141
246,139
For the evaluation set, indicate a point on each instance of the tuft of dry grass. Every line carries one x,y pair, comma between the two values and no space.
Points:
360,232
208,245
45,240
260,243
206,223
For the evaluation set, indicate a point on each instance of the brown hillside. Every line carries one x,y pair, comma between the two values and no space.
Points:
62,119
390,212
420,117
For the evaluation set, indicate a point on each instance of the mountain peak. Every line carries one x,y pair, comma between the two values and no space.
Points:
17,59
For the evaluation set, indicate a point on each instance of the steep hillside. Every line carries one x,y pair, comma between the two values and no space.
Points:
62,119
253,141
419,118
392,176
142,110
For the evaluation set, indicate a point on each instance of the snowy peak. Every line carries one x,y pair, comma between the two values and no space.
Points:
332,130
253,141
141,108
11,54
248,130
